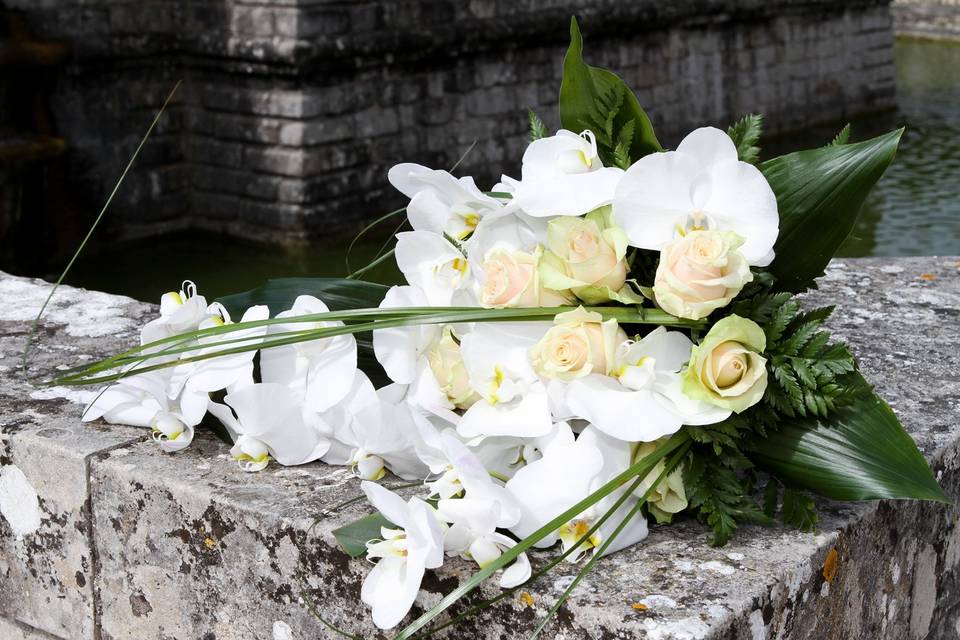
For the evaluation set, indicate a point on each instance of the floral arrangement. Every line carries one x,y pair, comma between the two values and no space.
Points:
611,340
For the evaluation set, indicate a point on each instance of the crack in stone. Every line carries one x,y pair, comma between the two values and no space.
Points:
97,607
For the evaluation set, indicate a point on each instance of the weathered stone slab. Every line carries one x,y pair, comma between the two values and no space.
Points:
191,547
10,630
47,560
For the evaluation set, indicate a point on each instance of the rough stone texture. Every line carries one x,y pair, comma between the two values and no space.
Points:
939,19
292,110
46,577
188,546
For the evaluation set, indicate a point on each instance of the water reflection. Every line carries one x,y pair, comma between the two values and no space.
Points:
915,209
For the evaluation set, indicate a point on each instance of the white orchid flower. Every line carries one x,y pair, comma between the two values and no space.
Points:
516,232
404,553
433,264
371,434
133,400
466,475
642,399
321,371
441,203
180,312
563,176
191,383
513,400
475,506
701,185
503,455
567,474
473,536
269,423
402,350
141,401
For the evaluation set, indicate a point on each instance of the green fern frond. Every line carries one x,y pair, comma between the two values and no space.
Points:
537,129
745,135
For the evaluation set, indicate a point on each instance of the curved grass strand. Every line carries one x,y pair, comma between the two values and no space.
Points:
93,227
642,468
598,553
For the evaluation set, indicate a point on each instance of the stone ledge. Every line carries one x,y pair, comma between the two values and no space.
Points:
137,544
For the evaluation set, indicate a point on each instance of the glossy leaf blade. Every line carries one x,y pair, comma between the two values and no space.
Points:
353,537
819,195
339,294
582,85
859,452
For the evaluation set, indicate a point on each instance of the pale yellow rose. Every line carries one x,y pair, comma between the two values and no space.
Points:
446,363
511,279
668,497
586,255
700,272
726,368
579,344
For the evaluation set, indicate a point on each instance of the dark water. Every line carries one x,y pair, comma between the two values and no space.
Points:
219,265
915,210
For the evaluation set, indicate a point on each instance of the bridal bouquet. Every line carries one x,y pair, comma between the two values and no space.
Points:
610,341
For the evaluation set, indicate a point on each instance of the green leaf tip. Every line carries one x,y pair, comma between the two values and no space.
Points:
819,195
597,99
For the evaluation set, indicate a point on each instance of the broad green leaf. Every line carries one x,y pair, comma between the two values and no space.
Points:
858,452
353,537
583,85
338,294
819,195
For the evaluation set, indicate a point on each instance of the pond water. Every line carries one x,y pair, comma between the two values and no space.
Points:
915,210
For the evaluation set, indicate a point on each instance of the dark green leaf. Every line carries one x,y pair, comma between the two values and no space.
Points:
580,90
353,537
279,293
771,497
798,510
858,452
819,194
339,294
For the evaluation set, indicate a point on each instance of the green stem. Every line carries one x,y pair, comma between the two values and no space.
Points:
373,263
383,319
93,227
364,232
599,551
640,468
543,570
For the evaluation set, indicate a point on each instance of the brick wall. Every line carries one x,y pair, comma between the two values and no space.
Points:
292,110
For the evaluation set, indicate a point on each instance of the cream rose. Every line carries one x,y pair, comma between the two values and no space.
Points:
511,279
446,363
579,344
700,272
586,255
726,368
668,497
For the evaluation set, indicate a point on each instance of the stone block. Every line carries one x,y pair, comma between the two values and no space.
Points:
11,630
187,545
47,559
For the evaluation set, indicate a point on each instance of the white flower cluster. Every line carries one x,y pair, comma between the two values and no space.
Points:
509,423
